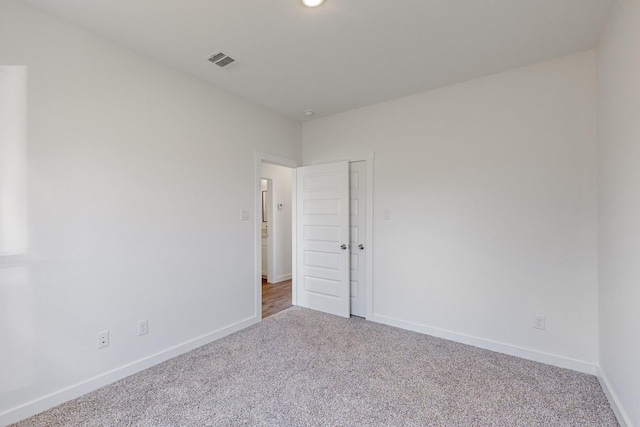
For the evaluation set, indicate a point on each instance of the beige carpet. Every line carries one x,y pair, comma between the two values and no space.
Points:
304,368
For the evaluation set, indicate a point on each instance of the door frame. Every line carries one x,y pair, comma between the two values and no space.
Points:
259,159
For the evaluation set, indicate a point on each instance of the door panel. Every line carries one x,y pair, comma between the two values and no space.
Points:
323,228
357,195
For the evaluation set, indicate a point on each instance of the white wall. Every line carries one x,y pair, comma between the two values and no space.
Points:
137,175
492,190
280,222
13,160
619,207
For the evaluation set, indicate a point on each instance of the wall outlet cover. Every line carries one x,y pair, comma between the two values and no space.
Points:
143,327
103,339
539,322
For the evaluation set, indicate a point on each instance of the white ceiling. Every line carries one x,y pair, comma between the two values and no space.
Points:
345,53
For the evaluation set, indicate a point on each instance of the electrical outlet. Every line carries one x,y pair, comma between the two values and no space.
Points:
539,322
103,339
143,327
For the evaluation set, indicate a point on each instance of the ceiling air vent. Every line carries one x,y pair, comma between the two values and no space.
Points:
224,61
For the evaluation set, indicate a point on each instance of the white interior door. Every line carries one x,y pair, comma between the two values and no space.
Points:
265,231
358,211
323,257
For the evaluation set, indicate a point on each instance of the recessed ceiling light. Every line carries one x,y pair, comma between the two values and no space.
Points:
312,3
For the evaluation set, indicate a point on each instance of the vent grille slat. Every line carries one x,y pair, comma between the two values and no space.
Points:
217,57
224,62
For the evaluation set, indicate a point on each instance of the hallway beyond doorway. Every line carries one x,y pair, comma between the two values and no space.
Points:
275,297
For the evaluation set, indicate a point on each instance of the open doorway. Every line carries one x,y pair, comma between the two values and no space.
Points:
276,237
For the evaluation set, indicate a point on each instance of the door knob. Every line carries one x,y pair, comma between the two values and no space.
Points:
361,246
343,246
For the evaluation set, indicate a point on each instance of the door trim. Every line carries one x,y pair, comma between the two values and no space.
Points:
259,158
368,159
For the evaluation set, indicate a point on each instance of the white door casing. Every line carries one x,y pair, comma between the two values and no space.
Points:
358,212
323,261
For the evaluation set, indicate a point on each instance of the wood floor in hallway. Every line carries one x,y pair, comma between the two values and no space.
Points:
275,297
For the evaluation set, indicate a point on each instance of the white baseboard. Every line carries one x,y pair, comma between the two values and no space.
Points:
621,415
536,356
282,278
72,392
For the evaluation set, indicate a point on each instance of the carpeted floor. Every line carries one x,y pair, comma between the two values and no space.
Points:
304,368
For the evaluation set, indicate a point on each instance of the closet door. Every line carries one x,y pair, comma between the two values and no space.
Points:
323,257
358,238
